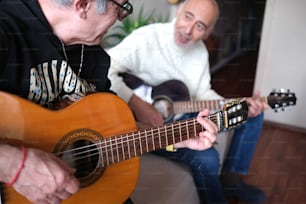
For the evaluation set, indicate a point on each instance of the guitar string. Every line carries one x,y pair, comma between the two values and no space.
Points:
130,137
131,134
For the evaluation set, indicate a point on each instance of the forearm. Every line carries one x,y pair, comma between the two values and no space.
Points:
10,158
135,103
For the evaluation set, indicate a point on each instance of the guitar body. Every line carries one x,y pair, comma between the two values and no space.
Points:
162,95
25,123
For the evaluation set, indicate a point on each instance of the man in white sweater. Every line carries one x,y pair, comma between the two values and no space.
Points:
160,52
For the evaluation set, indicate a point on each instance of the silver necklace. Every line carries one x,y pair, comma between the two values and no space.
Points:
82,56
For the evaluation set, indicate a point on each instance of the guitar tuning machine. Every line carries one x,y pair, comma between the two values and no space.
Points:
281,90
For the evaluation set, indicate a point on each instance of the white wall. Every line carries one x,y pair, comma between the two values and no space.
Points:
282,57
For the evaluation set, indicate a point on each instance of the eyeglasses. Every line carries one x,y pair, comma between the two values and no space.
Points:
124,10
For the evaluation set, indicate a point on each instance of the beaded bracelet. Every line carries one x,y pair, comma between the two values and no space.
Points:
24,155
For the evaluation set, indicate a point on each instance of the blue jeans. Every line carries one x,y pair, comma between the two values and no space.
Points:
205,165
243,145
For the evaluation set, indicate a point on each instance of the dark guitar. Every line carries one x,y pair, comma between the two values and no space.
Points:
107,163
172,97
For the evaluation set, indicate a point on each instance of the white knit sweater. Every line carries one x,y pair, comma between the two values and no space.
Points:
151,54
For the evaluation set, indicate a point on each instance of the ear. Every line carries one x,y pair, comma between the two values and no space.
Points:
82,7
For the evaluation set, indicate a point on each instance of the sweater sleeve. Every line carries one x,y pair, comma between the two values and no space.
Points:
206,92
124,58
117,83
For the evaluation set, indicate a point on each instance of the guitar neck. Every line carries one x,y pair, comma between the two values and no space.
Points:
196,106
123,147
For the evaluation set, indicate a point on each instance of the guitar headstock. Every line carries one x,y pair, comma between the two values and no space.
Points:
281,99
235,113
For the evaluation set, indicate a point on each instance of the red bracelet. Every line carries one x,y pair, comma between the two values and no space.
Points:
24,156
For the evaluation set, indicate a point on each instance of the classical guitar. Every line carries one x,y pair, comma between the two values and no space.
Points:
172,97
97,135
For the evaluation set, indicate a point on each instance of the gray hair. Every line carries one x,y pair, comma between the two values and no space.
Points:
101,4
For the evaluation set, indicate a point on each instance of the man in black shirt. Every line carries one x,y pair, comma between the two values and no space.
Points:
49,50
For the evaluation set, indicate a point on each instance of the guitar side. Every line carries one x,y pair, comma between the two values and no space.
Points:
28,124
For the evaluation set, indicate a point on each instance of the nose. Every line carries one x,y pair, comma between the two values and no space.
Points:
189,27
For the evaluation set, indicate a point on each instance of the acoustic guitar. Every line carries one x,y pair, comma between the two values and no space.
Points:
97,135
172,97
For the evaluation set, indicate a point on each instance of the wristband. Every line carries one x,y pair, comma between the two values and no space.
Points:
24,156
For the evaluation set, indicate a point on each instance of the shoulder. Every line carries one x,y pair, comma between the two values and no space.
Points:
139,39
147,33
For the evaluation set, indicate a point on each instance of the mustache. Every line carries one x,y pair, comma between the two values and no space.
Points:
184,35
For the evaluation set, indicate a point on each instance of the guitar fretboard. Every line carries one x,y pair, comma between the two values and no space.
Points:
195,106
120,148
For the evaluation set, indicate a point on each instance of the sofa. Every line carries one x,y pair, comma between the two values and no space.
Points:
162,181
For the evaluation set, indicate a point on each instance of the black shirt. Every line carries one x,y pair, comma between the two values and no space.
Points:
32,60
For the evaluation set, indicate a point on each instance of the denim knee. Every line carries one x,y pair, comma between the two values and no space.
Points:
205,161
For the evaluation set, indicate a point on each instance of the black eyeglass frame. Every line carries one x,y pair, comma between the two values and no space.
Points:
127,7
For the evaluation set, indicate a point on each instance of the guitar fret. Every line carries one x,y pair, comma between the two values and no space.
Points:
107,151
159,138
135,152
112,153
172,133
153,142
129,149
122,148
194,128
101,152
197,105
117,150
187,130
213,105
147,143
180,132
167,142
140,145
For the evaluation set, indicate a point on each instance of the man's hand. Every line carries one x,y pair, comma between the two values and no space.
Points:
256,105
205,138
45,178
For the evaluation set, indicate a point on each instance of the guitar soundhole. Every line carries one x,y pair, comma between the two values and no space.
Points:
80,150
83,156
164,105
